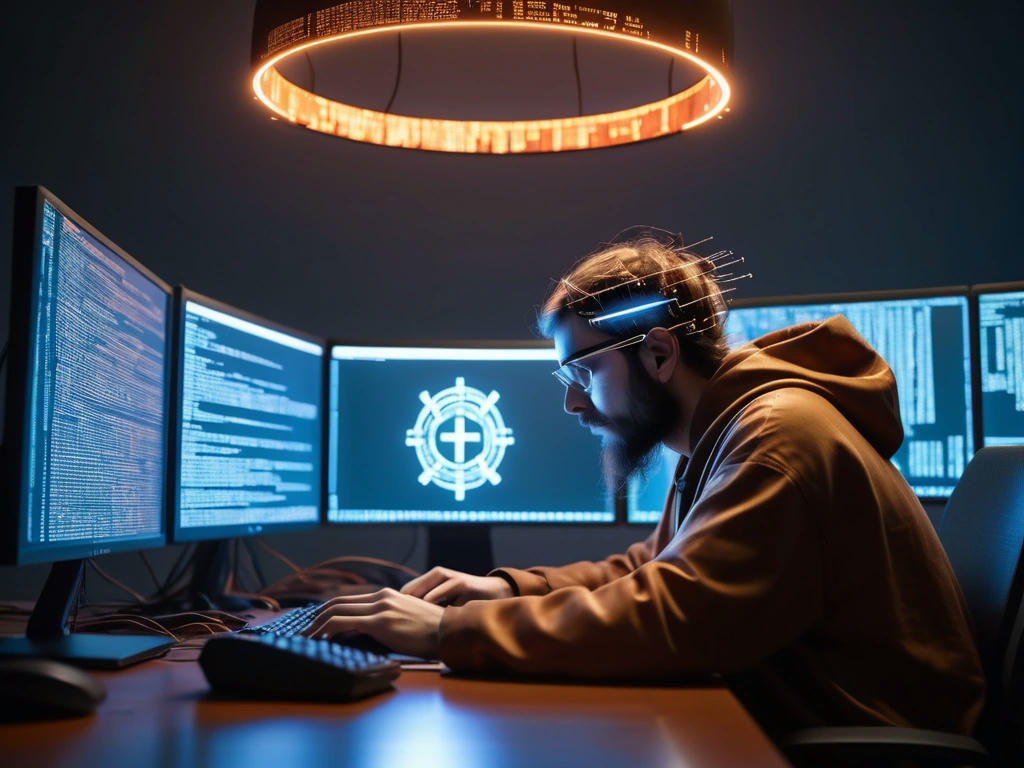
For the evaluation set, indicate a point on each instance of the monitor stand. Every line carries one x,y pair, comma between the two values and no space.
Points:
211,566
47,633
462,547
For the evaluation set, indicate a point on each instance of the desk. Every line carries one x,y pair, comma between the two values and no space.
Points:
161,713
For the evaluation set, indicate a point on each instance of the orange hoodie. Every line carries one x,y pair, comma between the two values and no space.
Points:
803,567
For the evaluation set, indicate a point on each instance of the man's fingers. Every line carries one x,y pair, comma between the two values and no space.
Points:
338,613
335,625
446,593
421,585
368,597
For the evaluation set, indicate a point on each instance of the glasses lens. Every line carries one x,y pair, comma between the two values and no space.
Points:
575,376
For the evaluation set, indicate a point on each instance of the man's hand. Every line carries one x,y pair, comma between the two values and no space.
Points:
403,623
445,586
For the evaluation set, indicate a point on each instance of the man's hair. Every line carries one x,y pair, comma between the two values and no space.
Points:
629,287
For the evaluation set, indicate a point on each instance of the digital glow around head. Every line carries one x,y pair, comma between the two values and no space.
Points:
702,101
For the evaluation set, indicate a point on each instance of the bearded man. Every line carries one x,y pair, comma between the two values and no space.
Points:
792,557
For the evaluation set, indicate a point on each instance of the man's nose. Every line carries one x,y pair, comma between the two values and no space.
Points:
576,401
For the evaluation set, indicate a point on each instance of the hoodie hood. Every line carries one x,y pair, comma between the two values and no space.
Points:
829,358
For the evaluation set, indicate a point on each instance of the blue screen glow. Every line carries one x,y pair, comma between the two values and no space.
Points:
430,435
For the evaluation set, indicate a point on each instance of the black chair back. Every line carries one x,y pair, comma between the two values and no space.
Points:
982,531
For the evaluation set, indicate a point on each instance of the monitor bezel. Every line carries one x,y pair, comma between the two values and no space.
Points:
615,503
1013,286
977,291
851,297
26,253
183,294
855,297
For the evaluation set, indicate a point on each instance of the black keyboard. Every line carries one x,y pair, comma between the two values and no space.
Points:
260,664
289,623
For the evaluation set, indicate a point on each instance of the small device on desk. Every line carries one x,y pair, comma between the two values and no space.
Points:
259,664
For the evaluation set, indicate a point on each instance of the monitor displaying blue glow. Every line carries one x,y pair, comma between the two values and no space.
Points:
646,495
1001,349
250,426
456,435
94,440
926,341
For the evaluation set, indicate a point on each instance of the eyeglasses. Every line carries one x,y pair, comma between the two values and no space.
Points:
577,376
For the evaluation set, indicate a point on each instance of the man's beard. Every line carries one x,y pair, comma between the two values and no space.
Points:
630,441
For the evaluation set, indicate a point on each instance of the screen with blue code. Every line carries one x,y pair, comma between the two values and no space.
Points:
457,435
926,341
250,423
1001,352
647,493
94,437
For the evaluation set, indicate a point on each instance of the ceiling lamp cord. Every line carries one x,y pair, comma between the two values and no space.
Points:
312,73
398,75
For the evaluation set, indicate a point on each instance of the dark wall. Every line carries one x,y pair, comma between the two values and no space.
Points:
870,145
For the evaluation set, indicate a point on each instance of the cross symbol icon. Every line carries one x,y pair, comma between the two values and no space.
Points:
460,437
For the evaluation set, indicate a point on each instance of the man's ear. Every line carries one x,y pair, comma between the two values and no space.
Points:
663,353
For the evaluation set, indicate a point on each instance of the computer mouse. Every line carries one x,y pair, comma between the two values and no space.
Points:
42,689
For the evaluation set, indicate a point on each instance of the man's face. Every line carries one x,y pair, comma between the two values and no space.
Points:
625,405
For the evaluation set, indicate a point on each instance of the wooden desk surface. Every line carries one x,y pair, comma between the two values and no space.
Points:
161,713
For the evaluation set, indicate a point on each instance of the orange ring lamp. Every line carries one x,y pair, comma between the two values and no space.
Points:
698,32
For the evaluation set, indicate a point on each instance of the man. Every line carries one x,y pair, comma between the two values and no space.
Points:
792,557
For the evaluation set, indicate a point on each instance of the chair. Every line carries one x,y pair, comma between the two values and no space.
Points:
982,531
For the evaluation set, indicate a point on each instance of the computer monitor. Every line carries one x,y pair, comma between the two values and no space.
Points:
248,438
85,444
924,335
646,494
1000,308
249,424
457,434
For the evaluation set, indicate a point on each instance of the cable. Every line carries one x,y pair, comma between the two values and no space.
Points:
3,354
178,571
579,83
121,620
398,75
370,560
312,73
279,556
110,579
149,567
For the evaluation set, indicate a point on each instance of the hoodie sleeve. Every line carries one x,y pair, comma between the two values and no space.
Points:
591,575
653,622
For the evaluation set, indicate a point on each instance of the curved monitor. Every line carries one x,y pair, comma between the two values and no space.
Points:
249,424
925,337
1000,308
86,420
457,434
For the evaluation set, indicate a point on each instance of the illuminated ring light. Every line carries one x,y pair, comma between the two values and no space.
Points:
460,404
697,31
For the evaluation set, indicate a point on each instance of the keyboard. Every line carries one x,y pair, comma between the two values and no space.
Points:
293,622
289,623
263,665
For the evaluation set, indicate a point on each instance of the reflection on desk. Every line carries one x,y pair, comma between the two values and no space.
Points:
161,713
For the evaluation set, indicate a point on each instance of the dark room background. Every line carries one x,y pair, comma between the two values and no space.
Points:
870,145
